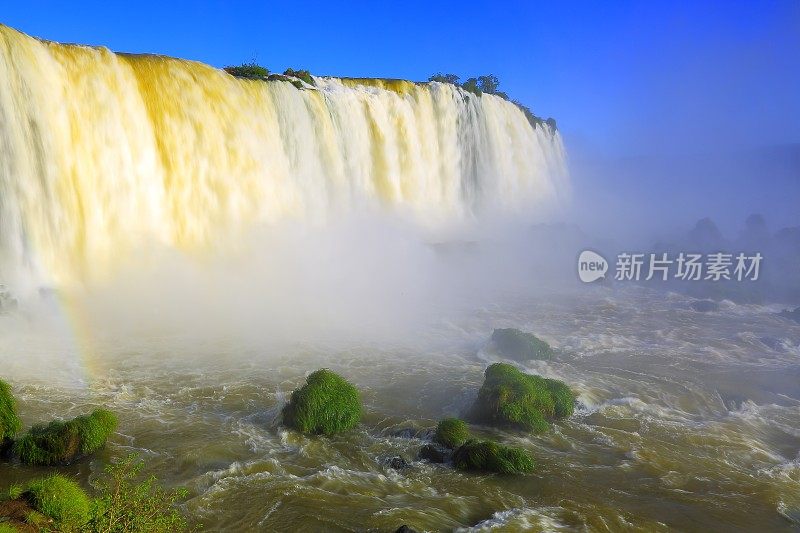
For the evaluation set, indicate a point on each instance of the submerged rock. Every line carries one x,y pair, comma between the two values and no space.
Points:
411,433
451,433
490,456
510,398
791,315
433,453
63,442
10,423
327,404
405,529
398,463
521,346
704,306
7,300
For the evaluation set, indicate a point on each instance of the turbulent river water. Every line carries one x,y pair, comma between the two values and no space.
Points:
177,185
686,421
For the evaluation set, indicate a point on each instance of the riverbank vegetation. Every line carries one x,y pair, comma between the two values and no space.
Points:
124,501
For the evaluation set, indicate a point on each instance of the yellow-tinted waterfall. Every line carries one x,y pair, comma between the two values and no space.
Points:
101,153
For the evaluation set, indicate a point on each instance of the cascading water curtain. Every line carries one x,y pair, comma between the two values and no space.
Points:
102,152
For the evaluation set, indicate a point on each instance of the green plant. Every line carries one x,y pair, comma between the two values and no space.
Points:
451,432
61,499
6,528
61,442
326,404
129,503
10,423
492,457
300,74
14,491
536,120
510,398
95,429
471,86
521,345
445,78
250,70
563,398
489,83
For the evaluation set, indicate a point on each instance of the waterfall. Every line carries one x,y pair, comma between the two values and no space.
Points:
102,153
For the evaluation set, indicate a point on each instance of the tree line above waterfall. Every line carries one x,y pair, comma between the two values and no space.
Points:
488,84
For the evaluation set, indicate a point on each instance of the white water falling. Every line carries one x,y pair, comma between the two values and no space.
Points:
102,154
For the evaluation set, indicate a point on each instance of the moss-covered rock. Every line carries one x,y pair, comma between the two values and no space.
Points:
327,404
510,398
490,456
10,423
280,77
300,74
451,433
61,499
521,346
62,442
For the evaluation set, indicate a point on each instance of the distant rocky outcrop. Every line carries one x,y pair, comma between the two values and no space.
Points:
520,345
706,236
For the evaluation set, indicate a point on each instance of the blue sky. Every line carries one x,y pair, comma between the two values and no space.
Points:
621,78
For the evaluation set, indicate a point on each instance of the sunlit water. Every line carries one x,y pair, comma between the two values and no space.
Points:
686,421
148,173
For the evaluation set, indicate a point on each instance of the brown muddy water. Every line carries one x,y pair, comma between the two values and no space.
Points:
686,421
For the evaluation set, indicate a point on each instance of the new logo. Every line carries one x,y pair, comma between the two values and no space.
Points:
591,266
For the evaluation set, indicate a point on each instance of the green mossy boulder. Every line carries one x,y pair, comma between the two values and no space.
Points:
487,456
327,404
451,433
513,399
521,346
300,74
280,77
10,423
62,442
61,499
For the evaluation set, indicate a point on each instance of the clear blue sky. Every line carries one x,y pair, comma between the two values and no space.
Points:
622,78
